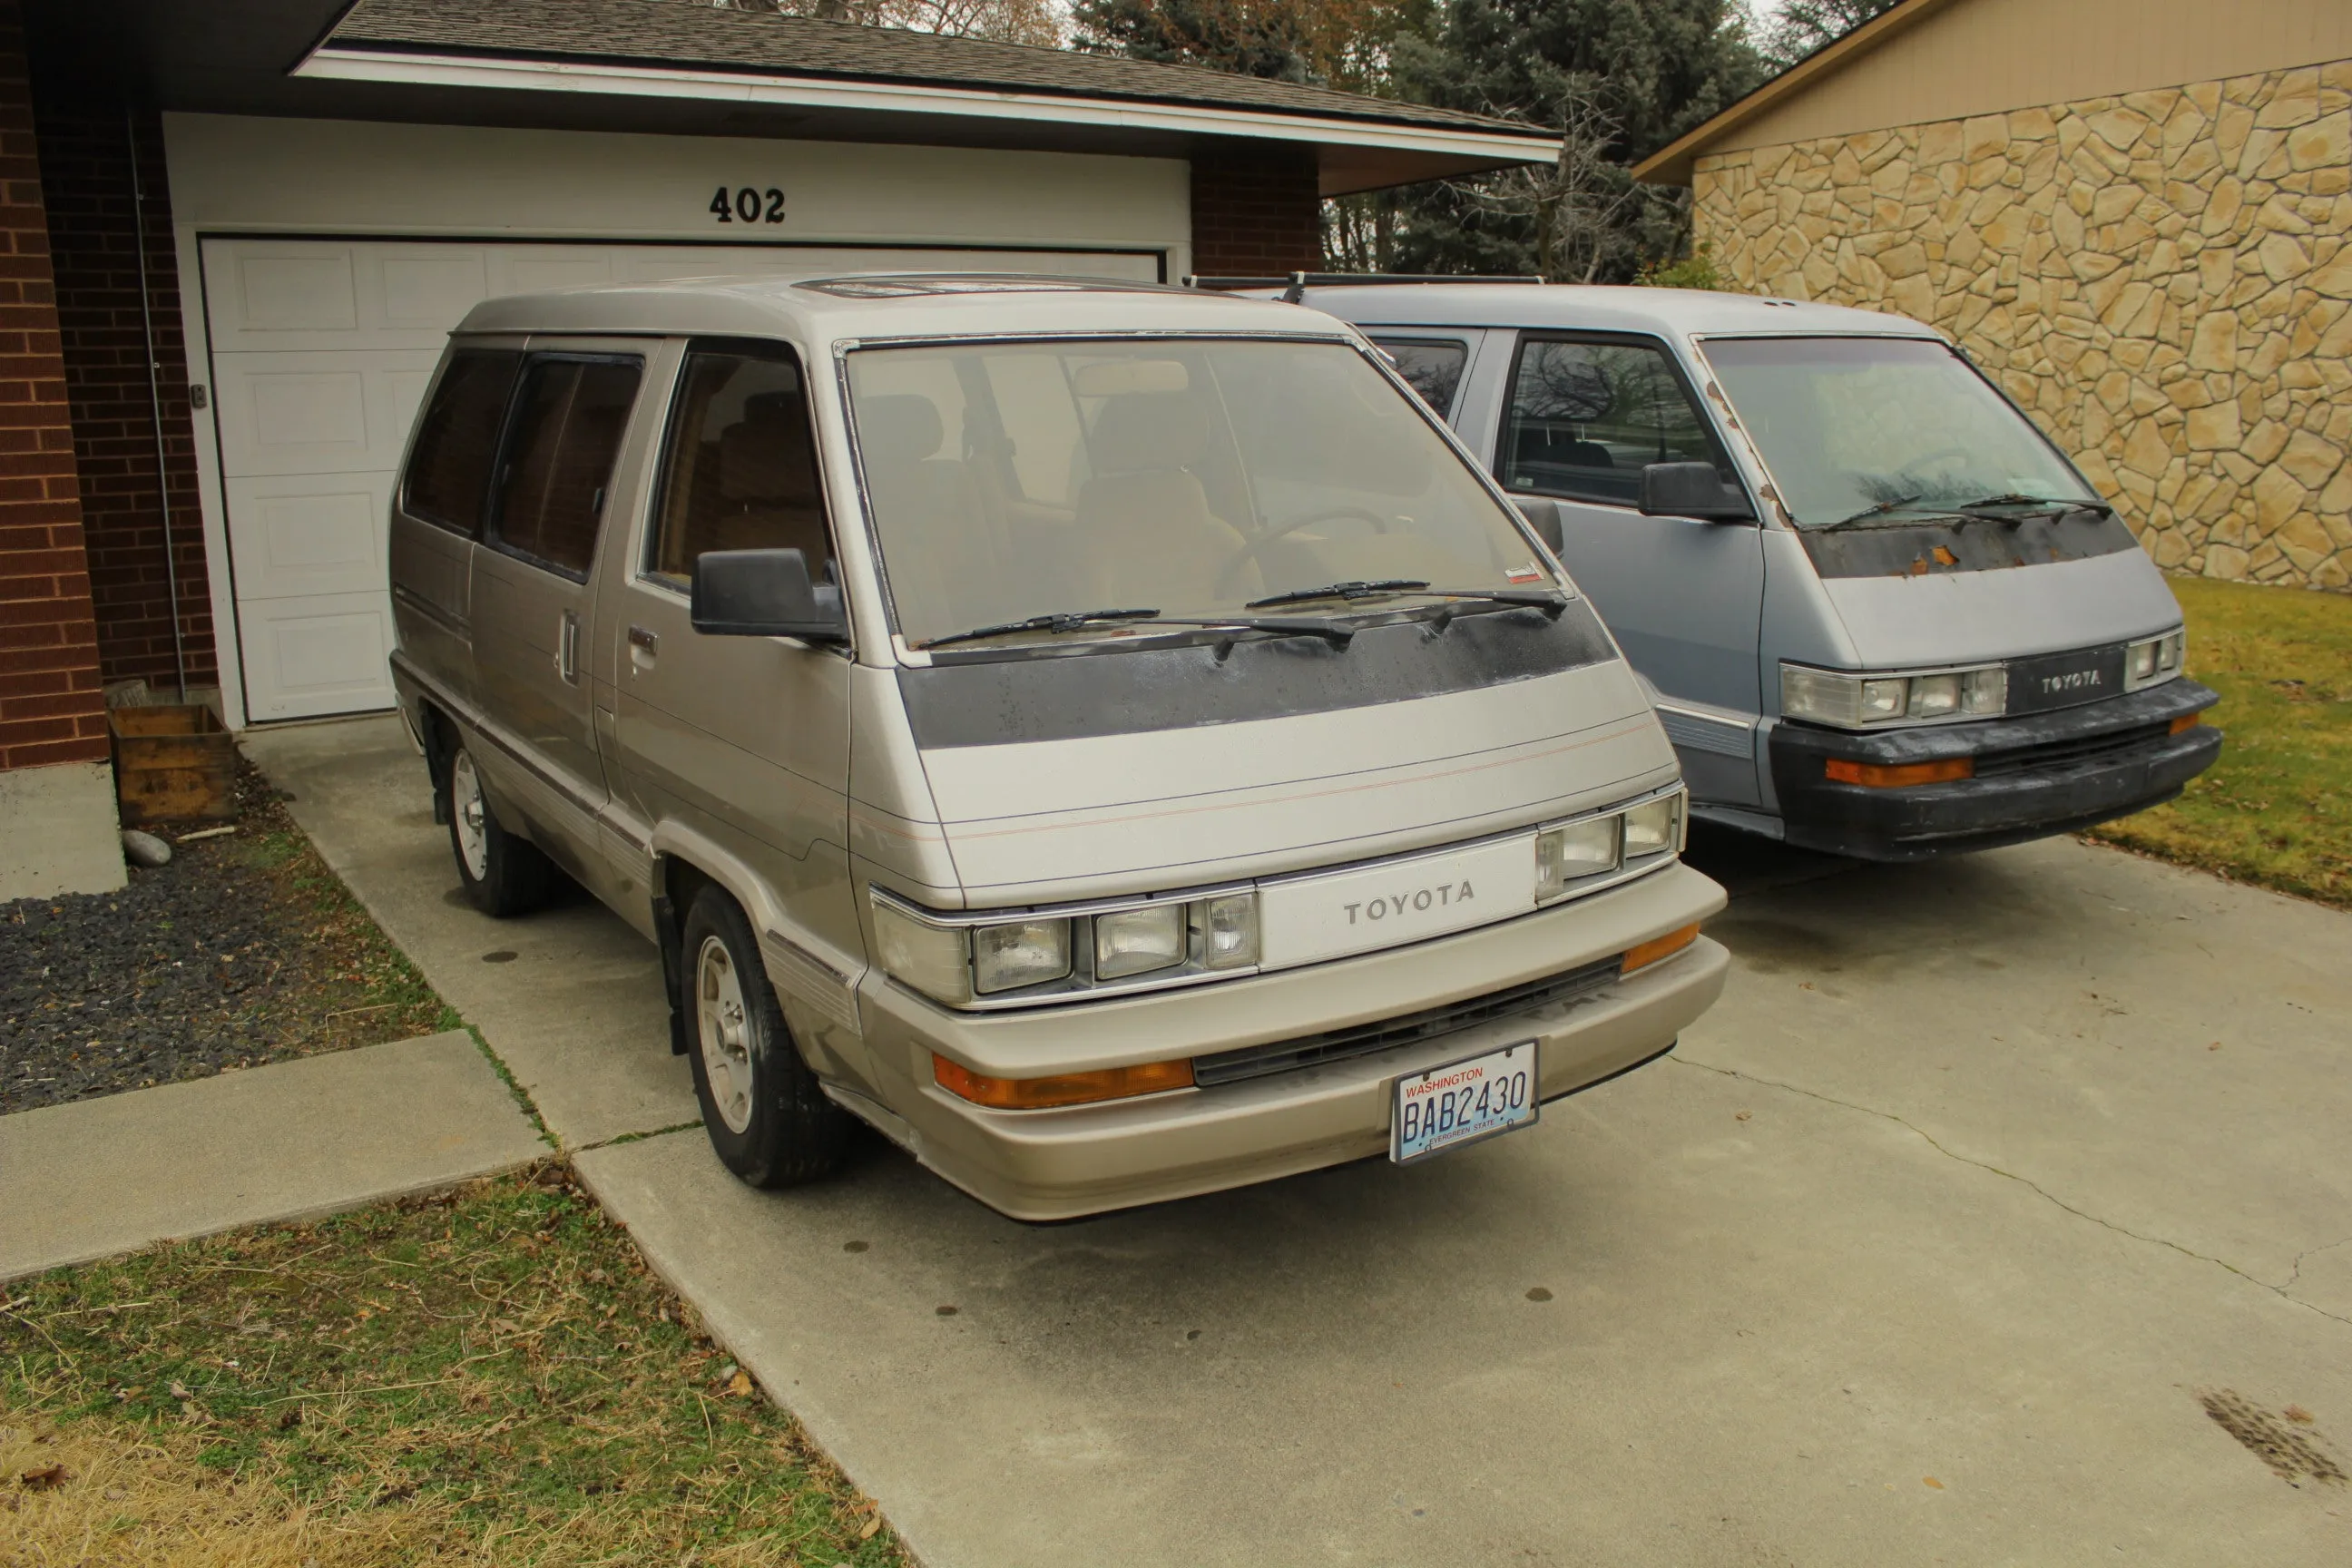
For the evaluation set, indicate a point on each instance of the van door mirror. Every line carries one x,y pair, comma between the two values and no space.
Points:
1543,516
1692,490
764,594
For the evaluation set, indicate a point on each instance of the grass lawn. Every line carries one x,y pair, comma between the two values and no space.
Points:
2277,808
490,1376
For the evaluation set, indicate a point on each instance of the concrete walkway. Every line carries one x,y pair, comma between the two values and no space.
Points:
284,1141
1936,1242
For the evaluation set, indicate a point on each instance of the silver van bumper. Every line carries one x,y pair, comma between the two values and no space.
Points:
1058,1164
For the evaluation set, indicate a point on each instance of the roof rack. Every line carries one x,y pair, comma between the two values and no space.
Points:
1295,284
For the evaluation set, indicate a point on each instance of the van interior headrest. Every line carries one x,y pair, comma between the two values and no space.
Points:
900,427
1127,377
766,456
1155,431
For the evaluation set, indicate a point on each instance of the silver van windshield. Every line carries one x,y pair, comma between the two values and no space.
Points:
1857,428
1190,477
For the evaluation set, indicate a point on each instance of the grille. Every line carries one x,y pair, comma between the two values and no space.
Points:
2058,754
1362,1039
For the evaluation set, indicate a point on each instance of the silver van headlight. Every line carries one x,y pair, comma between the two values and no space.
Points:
1853,701
2153,660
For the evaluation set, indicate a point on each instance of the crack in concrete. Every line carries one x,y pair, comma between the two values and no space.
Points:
2312,1252
2031,1184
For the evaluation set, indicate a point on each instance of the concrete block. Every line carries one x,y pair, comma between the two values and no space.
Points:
58,832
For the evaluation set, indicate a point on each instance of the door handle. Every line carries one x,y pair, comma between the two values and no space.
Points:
567,648
643,647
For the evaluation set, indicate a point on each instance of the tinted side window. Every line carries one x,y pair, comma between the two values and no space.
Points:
741,467
558,462
449,472
1432,369
1585,419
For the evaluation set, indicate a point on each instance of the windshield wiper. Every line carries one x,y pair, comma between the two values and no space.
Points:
1063,621
2040,503
1350,590
1866,513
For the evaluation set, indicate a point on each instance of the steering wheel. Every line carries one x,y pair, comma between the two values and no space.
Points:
1228,573
1925,459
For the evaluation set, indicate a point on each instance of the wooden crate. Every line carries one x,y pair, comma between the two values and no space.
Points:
173,763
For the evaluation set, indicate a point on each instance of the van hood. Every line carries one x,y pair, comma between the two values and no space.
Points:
1147,805
1961,616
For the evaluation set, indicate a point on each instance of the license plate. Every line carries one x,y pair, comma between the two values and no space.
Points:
1462,1102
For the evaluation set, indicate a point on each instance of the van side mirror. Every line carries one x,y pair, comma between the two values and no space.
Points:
764,594
1543,516
1692,490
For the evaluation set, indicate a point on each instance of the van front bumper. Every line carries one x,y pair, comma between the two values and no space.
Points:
1063,1164
2036,775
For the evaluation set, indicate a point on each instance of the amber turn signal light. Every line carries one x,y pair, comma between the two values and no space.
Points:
1894,775
1059,1089
2184,723
1658,947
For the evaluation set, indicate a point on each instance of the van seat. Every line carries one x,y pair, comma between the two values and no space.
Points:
767,480
1143,520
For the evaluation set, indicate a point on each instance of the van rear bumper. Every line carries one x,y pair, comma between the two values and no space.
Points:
1060,1165
2038,776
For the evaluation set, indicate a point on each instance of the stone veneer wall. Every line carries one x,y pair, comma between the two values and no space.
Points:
2164,279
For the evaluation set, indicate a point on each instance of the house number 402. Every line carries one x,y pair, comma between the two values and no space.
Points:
748,206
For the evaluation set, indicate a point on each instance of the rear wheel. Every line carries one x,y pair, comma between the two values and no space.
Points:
769,1121
503,875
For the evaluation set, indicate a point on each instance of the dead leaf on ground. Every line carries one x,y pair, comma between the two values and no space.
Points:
867,1530
740,1385
2299,1415
45,1479
1931,1481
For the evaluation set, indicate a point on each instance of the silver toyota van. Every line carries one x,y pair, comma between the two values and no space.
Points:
1108,739
1882,615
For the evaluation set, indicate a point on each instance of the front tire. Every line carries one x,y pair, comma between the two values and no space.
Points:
503,875
768,1121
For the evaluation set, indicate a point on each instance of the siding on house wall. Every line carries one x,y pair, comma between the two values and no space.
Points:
2164,278
1257,211
51,707
86,178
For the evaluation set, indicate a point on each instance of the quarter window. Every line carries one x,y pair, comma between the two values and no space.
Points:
1430,367
449,469
1586,418
557,470
741,468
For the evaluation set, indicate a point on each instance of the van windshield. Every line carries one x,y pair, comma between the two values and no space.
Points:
1853,426
1008,480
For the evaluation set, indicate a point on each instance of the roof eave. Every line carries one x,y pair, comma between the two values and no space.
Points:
1672,164
1442,151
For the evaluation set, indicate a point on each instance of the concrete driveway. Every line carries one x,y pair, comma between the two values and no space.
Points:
2001,1213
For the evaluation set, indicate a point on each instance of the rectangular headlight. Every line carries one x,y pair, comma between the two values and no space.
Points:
1933,696
1984,694
1228,931
934,959
1137,942
1654,828
2153,660
1019,952
1574,850
1853,701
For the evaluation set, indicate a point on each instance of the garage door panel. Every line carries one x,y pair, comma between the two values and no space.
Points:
321,350
318,412
307,534
323,654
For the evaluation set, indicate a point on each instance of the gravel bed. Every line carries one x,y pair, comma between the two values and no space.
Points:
244,949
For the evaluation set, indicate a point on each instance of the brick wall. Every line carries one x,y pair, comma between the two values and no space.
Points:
51,709
1257,211
86,182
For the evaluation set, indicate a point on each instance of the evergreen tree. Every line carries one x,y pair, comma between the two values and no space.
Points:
1801,26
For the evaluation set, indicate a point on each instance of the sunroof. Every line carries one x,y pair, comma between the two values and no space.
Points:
915,284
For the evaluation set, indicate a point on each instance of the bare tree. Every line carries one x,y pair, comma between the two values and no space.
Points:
1585,205
1007,21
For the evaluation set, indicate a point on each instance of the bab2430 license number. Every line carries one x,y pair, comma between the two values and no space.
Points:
749,205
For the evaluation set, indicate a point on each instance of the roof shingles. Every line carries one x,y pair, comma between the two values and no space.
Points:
693,34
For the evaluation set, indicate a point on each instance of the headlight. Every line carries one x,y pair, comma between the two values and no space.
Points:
1019,952
1654,828
1575,850
1137,942
1860,702
1228,928
2154,659
935,960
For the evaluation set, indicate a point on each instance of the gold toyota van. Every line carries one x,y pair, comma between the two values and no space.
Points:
1112,741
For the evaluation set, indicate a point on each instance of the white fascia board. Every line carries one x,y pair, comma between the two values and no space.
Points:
811,93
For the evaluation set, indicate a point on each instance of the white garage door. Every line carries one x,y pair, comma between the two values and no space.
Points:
320,350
